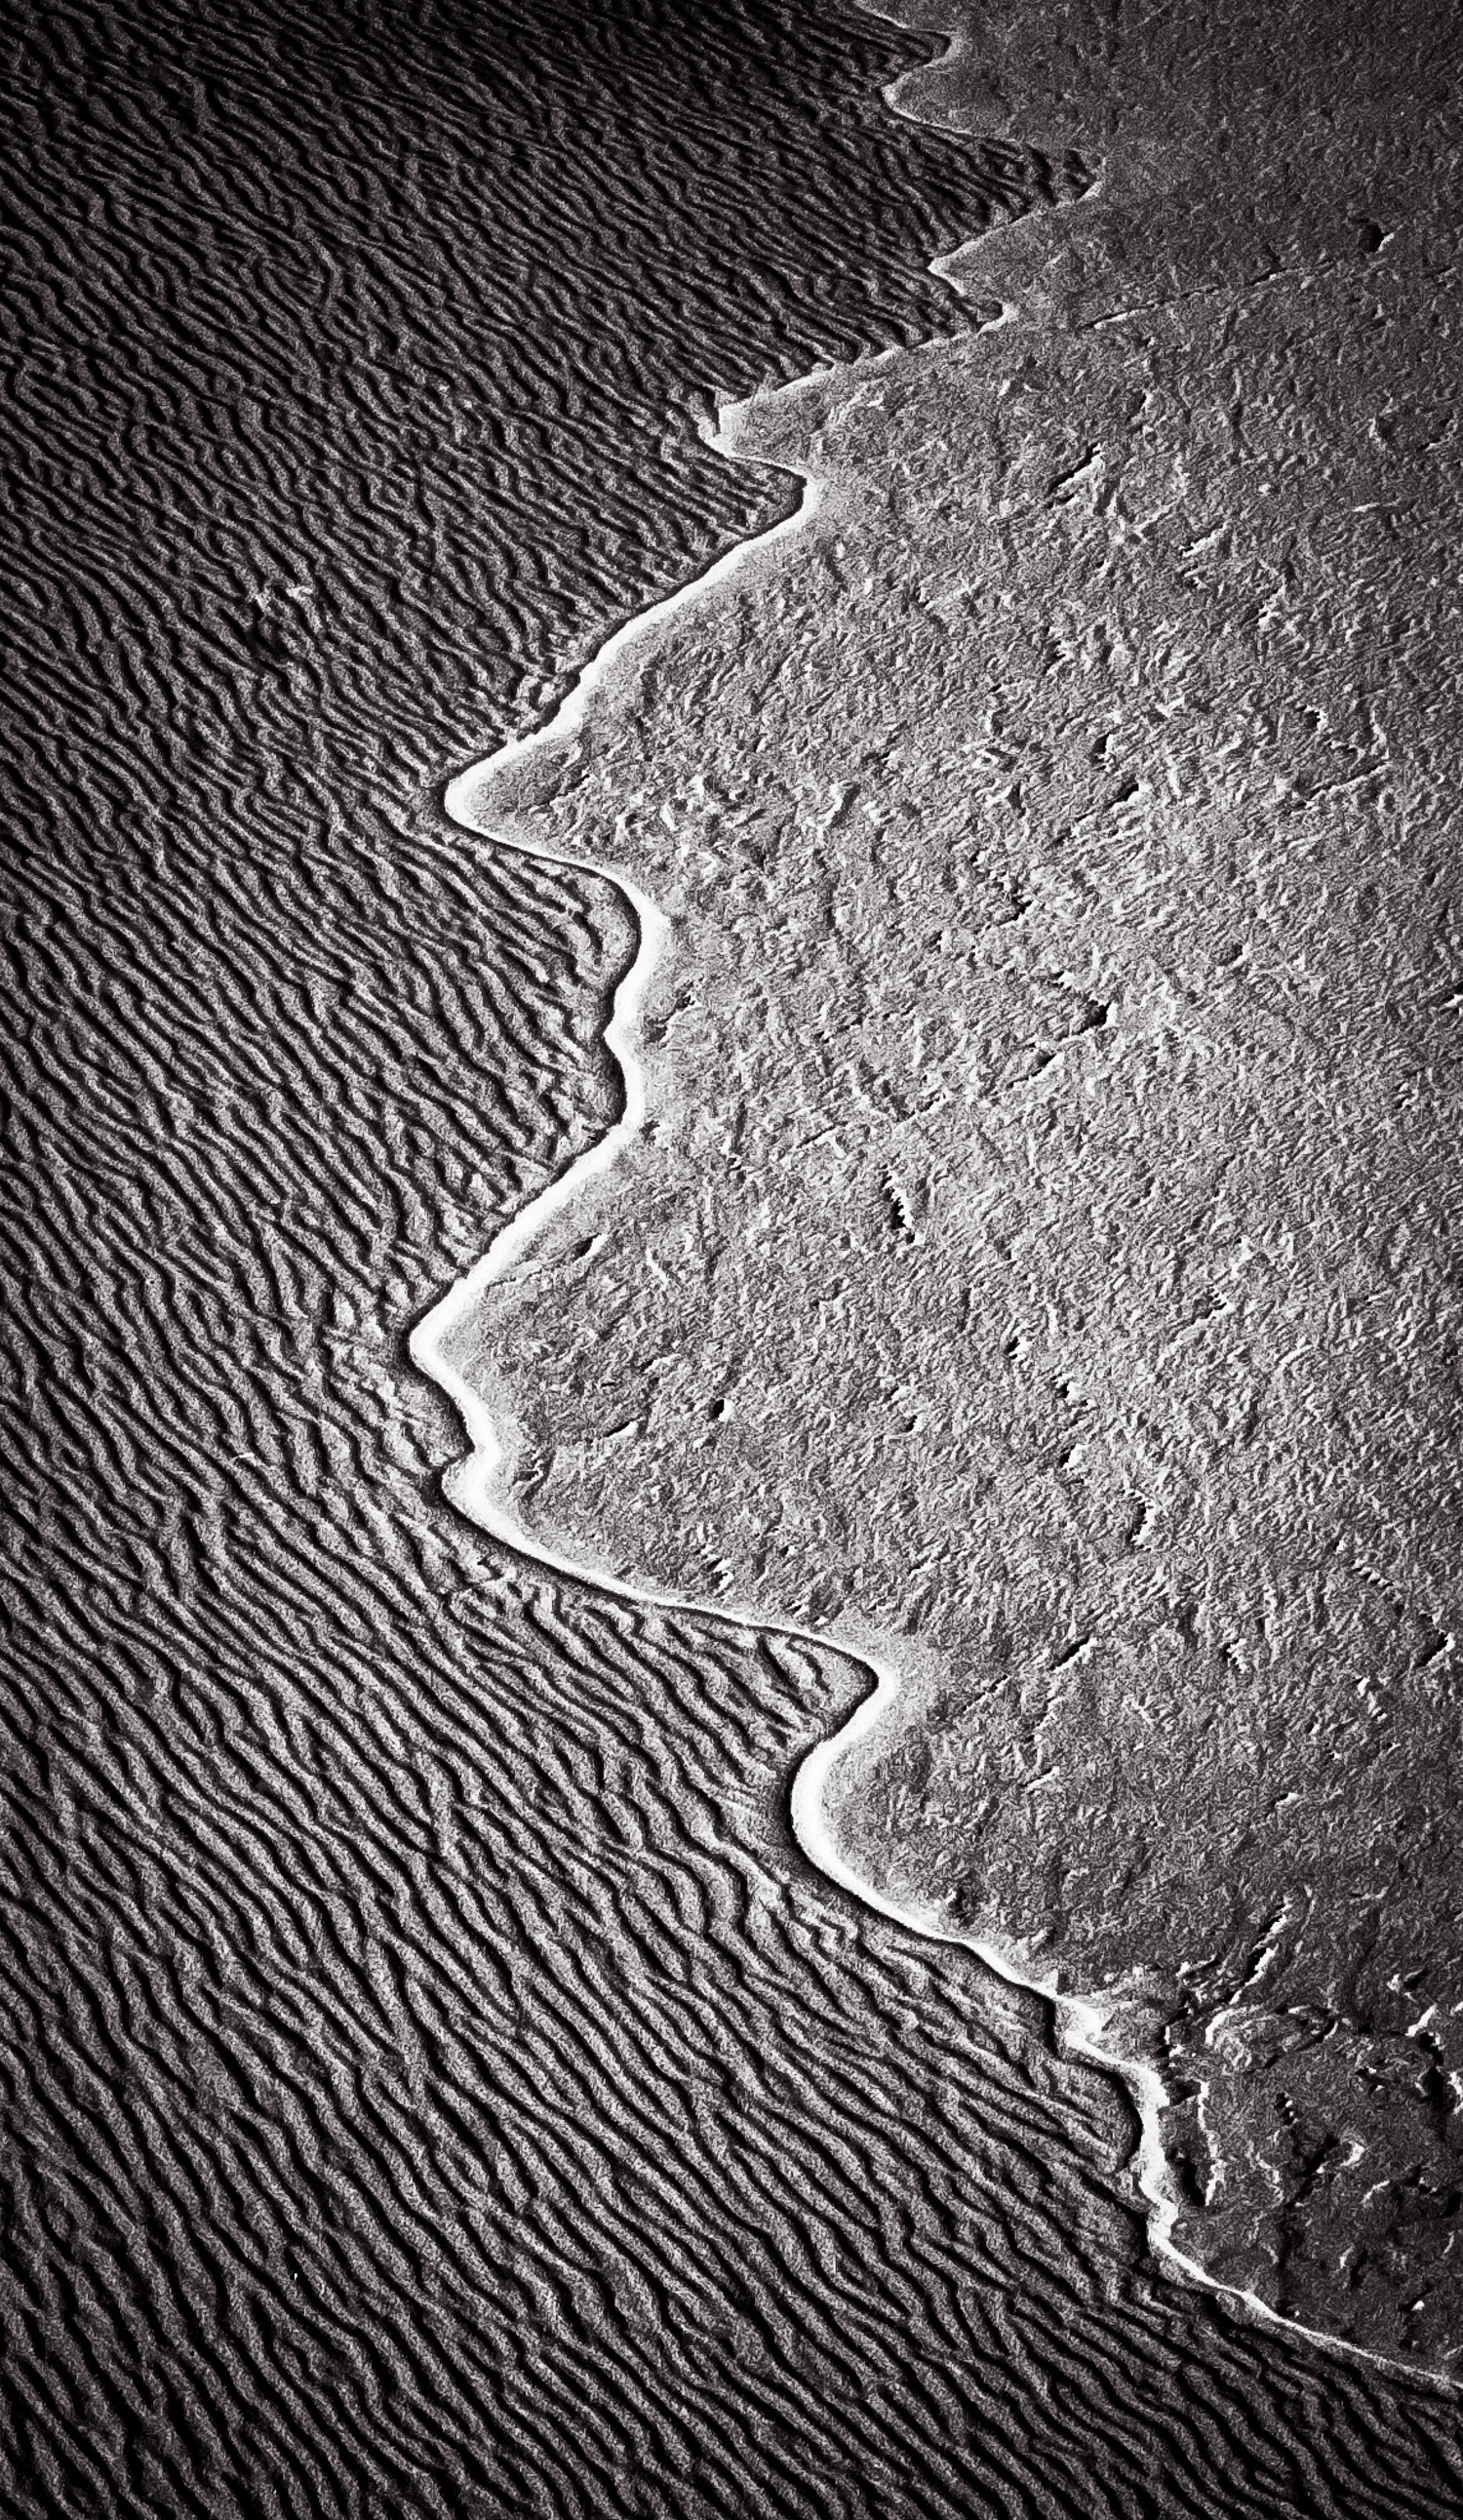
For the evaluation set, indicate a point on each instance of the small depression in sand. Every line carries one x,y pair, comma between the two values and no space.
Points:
1028,1254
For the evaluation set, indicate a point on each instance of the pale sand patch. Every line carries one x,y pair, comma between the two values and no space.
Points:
1028,1254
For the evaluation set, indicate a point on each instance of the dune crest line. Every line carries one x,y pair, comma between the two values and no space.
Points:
470,1484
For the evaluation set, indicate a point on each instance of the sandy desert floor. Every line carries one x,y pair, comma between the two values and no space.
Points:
435,2079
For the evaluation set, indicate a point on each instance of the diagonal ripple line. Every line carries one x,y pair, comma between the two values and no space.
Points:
471,1483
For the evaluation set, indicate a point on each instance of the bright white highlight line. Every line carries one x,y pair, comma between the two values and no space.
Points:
471,1483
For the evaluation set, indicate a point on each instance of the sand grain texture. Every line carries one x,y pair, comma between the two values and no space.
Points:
433,2083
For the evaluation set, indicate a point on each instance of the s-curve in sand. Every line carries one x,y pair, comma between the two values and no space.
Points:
1026,1256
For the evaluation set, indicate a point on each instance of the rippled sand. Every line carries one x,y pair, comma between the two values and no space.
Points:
432,2081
